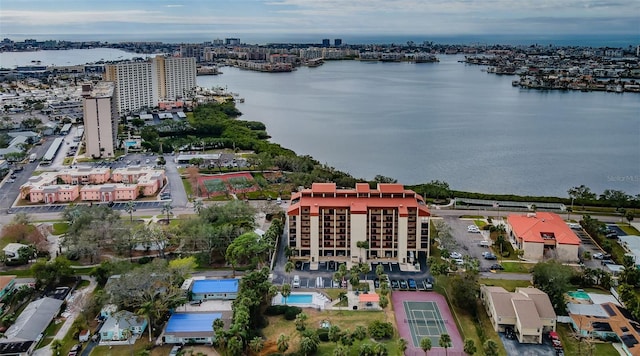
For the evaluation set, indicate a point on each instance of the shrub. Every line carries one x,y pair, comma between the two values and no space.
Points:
144,260
380,330
323,334
291,312
275,310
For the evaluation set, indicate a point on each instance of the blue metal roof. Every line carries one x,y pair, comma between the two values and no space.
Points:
191,322
203,286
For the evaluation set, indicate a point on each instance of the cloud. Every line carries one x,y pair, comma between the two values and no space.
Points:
174,5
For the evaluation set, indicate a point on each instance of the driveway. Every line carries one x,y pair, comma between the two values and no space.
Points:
514,347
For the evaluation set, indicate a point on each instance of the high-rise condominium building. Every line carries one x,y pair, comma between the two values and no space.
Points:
142,84
100,119
387,224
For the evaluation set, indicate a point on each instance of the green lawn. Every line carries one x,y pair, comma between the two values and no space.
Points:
187,186
507,284
480,223
629,230
516,267
469,327
60,228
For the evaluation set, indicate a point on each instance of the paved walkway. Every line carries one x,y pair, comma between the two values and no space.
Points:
75,304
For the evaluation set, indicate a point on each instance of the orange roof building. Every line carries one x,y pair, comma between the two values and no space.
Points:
543,235
326,223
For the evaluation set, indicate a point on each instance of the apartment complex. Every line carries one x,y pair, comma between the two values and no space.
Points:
543,235
143,84
330,224
100,118
93,184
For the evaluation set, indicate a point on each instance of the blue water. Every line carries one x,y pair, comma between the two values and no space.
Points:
447,121
298,299
579,295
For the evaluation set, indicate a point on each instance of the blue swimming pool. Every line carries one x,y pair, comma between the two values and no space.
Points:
579,294
298,299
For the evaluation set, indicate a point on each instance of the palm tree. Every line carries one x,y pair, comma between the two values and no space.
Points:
364,269
379,271
288,267
403,344
130,207
362,245
308,345
146,309
168,209
445,341
285,291
300,321
256,344
341,350
470,347
425,344
197,206
490,348
283,343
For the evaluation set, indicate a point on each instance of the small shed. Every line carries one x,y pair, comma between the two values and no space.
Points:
83,336
368,301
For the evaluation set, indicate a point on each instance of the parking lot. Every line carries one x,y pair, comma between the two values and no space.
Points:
468,243
514,347
60,207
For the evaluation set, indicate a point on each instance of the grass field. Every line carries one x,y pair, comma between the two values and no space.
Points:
470,328
344,319
516,267
60,228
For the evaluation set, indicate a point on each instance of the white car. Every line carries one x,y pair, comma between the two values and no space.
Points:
598,255
455,255
459,261
473,228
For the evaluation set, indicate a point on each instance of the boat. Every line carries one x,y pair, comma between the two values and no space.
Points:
515,83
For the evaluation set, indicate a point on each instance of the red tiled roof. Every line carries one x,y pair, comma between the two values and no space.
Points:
369,297
530,228
348,198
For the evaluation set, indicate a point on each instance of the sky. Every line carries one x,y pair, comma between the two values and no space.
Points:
137,19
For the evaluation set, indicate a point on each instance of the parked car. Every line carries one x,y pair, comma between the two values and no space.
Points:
376,283
296,281
473,228
455,255
428,284
496,267
10,180
403,284
484,243
395,284
608,262
489,256
458,261
174,351
412,284
598,255
75,350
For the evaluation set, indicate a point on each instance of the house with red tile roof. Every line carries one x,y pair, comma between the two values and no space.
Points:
329,224
543,235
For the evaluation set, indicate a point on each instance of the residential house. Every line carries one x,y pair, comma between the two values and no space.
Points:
608,322
11,251
210,289
22,337
527,310
193,327
121,326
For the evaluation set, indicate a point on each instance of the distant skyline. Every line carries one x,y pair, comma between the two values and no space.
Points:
275,20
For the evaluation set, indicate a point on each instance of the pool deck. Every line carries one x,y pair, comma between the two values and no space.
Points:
318,300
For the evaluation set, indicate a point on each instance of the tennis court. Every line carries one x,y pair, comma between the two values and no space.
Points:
422,315
425,320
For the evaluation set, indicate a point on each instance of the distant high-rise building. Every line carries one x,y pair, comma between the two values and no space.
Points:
218,42
100,119
337,42
143,84
192,50
326,42
232,41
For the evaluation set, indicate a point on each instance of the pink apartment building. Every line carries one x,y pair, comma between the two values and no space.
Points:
98,184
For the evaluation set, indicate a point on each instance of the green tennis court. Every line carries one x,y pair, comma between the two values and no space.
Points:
425,320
